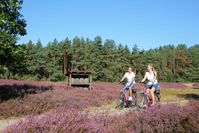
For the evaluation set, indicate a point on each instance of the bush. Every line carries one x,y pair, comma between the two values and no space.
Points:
167,118
58,77
167,76
61,96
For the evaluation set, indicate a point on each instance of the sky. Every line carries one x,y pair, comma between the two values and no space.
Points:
146,23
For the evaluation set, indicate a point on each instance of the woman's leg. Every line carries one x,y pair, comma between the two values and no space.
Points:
130,91
148,94
152,95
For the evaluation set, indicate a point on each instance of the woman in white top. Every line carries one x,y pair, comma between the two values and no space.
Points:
152,82
130,76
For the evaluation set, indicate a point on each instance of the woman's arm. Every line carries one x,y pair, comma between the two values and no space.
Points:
123,78
144,78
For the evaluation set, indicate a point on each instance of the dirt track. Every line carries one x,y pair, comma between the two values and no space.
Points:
7,122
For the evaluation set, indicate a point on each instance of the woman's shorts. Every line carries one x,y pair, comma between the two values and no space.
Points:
152,86
126,87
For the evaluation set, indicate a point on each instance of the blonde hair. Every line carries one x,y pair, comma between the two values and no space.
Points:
132,68
153,69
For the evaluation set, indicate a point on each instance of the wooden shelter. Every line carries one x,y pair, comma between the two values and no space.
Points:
80,79
78,74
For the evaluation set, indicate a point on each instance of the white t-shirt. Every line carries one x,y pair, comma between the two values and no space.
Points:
130,77
151,78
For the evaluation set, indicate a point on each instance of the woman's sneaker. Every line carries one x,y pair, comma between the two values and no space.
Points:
150,103
130,98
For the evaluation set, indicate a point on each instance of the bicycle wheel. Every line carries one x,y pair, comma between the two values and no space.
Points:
157,98
134,100
120,101
142,100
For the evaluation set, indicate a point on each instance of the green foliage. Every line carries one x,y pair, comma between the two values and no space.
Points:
167,75
58,77
12,25
108,61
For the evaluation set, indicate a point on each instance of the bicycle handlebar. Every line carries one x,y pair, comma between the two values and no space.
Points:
142,82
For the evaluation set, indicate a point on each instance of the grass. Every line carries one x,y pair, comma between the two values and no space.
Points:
178,95
170,95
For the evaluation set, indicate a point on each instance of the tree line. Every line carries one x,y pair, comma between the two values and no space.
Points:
106,60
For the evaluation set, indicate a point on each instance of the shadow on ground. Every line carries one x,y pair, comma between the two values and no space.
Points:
190,96
19,91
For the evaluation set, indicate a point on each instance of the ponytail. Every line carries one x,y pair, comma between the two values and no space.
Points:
154,71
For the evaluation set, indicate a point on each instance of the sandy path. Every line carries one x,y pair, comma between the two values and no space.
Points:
7,122
189,85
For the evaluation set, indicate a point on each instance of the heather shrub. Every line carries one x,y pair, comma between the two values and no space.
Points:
167,118
192,119
172,85
62,109
57,121
59,97
19,91
170,118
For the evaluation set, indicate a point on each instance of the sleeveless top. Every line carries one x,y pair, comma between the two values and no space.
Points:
151,78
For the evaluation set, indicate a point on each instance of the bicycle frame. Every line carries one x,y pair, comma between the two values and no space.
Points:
143,97
123,98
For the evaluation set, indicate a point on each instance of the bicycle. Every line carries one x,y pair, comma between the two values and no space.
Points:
123,101
142,99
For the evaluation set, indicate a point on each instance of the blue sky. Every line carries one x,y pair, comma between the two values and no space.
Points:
147,23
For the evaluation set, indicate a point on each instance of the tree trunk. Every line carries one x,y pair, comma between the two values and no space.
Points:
65,63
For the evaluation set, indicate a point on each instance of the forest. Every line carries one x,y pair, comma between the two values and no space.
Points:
106,60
